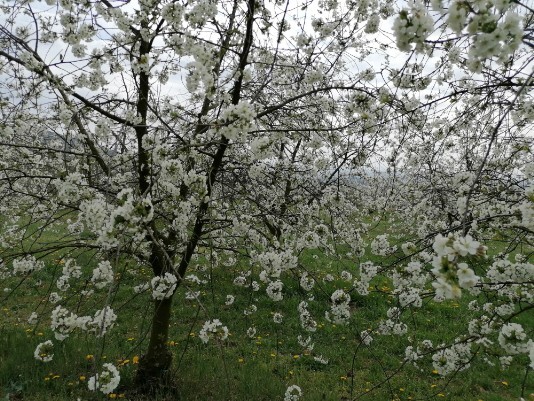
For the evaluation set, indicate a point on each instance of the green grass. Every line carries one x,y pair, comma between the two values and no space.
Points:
243,368
258,368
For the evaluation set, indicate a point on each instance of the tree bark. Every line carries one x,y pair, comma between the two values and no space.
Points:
153,370
154,366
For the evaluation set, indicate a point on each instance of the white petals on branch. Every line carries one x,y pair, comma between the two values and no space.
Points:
102,275
213,329
163,286
106,381
43,352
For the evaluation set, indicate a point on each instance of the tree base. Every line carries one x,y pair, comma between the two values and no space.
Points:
153,374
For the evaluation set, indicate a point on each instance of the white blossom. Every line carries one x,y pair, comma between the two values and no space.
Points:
213,329
163,286
293,393
43,352
106,381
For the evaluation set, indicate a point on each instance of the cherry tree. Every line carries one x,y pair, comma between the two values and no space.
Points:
154,133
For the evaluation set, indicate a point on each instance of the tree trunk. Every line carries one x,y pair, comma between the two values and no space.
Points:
153,371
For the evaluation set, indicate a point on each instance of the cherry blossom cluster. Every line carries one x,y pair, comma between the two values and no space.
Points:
163,286
106,381
64,322
213,329
452,275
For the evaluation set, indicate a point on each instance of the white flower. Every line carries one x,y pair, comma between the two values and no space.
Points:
277,317
192,294
454,358
306,282
306,343
505,361
372,24
413,26
457,16
274,290
33,318
441,245
102,321
328,278
410,354
466,276
293,393
63,322
54,298
229,300
240,281
306,320
466,245
163,286
321,359
444,290
102,275
339,310
250,310
513,338
141,288
27,265
107,381
366,337
251,332
43,351
345,275
213,328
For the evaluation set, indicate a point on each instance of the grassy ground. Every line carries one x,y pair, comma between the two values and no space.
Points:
258,367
